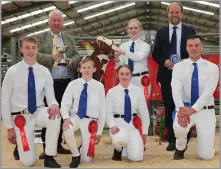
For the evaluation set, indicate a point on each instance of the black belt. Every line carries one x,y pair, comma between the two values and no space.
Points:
20,112
62,80
208,107
122,116
88,117
140,74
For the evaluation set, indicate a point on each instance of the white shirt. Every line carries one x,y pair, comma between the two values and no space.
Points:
178,35
115,104
208,75
15,89
141,52
96,105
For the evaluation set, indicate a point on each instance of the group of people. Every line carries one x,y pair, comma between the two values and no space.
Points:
79,103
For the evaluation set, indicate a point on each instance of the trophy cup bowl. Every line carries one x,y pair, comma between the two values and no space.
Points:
63,49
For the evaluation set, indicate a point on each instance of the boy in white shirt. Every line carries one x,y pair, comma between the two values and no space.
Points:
23,90
84,98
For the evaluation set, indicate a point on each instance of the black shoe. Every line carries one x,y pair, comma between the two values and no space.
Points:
62,150
171,147
15,153
50,162
178,155
117,155
75,162
42,156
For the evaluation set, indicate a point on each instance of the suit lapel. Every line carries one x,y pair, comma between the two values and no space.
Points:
167,34
49,40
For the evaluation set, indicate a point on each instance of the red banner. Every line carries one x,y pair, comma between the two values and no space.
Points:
111,80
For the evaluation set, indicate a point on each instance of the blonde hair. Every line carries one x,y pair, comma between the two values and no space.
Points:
87,59
29,39
136,21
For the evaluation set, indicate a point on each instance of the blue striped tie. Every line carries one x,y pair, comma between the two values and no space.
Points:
31,91
127,107
82,107
130,62
194,85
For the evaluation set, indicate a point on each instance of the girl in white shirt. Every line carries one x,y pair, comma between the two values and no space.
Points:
135,53
123,133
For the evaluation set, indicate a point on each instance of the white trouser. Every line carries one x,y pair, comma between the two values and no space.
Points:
38,119
136,80
128,137
81,124
205,121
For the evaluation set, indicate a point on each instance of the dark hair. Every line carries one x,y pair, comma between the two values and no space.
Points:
87,59
194,37
177,3
123,66
29,39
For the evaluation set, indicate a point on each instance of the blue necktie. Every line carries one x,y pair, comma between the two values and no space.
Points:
31,91
130,62
174,41
127,107
194,85
82,107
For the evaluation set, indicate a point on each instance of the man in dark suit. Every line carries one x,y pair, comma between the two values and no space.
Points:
170,41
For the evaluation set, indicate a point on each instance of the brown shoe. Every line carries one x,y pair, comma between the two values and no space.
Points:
62,150
42,156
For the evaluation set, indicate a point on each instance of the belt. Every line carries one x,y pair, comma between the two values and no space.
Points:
88,117
62,80
20,112
122,116
140,74
208,107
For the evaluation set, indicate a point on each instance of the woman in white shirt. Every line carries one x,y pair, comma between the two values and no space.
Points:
135,53
123,103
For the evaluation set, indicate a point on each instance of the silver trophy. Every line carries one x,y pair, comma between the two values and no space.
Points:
63,61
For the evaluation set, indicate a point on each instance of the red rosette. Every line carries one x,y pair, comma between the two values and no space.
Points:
92,128
138,125
145,81
20,123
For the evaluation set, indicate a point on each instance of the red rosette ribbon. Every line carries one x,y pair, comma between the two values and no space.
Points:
92,128
20,123
145,81
138,125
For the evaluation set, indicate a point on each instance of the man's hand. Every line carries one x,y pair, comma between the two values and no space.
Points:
168,64
66,124
184,121
12,136
97,139
115,129
53,111
69,62
186,111
58,57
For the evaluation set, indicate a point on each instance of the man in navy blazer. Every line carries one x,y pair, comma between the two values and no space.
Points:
164,45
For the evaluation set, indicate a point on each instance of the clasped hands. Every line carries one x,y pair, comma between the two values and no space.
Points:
184,116
116,129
